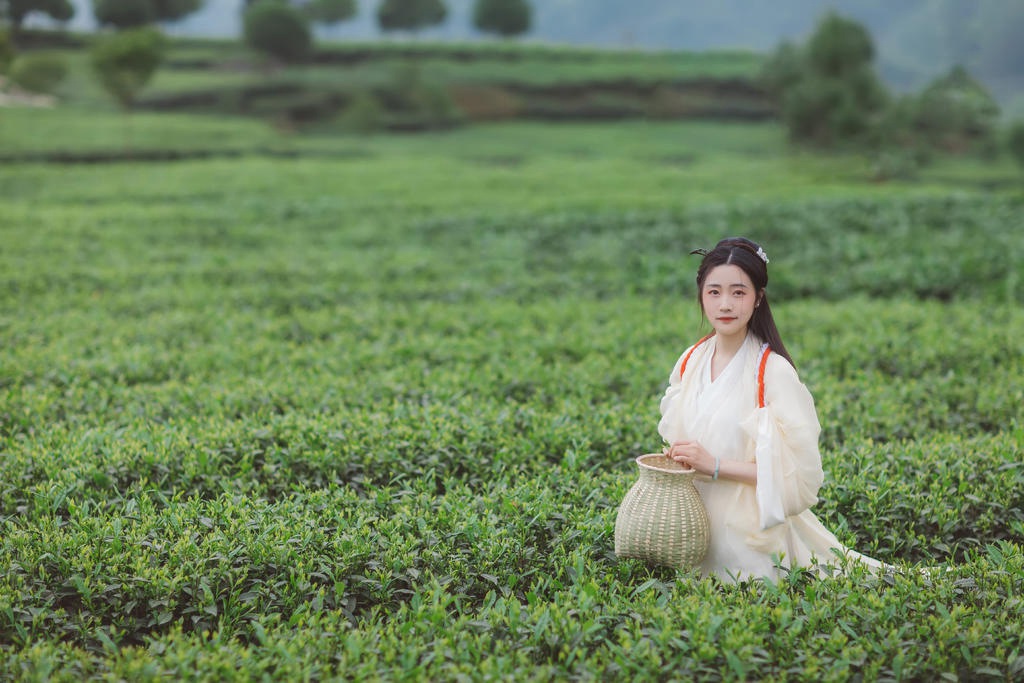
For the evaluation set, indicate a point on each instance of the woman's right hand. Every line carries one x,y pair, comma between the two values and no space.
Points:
693,455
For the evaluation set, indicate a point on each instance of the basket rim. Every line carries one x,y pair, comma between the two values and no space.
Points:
641,461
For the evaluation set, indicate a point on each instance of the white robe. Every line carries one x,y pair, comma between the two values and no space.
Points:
754,528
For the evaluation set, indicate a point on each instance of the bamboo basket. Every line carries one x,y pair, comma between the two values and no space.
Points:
662,519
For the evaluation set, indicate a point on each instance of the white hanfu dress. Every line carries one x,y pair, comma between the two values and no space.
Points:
753,529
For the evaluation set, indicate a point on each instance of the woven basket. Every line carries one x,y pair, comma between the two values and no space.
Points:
662,518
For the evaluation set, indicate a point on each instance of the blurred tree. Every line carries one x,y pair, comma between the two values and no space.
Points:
122,14
330,11
125,61
173,10
277,29
410,15
319,11
504,17
839,46
15,11
828,91
957,113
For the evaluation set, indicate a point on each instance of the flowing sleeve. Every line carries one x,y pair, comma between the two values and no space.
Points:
668,426
785,433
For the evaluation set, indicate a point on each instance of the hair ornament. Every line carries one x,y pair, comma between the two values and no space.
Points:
764,256
700,252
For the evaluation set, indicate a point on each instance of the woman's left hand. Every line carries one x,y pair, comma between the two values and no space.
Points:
691,454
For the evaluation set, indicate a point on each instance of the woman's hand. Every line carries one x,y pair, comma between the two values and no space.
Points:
692,455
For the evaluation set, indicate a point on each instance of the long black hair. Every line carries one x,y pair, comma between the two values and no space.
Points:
748,255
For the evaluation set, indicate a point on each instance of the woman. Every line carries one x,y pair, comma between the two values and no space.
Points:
736,411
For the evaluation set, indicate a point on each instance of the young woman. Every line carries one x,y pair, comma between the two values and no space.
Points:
736,411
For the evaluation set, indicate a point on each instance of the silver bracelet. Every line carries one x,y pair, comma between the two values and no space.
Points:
718,463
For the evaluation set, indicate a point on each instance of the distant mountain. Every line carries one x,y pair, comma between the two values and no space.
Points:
917,40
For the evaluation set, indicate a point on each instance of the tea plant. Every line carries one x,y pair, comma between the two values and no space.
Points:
324,418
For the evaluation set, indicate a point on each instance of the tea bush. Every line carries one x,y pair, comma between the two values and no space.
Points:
38,73
259,422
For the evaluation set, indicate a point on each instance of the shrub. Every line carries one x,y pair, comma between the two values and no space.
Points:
39,73
124,14
808,109
173,10
124,62
839,46
828,92
410,15
278,30
956,113
503,17
953,114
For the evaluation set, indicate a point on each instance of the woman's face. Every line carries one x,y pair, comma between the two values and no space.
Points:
729,298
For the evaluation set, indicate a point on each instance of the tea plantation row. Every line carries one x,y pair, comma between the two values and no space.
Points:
307,436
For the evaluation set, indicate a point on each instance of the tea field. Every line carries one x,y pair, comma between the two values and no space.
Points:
415,85
365,412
